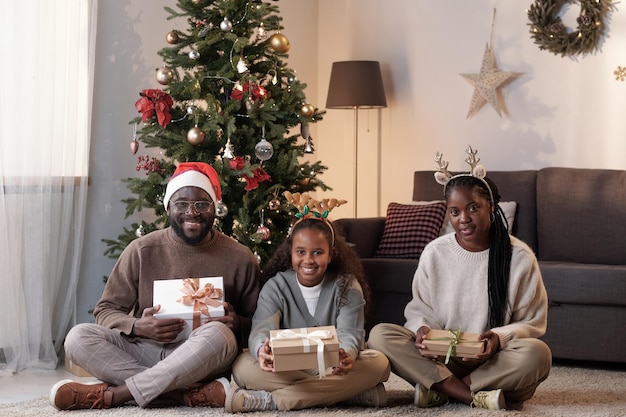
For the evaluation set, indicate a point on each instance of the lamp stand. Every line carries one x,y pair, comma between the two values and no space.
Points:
356,160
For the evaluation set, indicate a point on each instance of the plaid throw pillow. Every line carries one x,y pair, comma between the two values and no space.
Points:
408,228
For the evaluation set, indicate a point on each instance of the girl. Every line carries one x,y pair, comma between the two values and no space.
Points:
315,279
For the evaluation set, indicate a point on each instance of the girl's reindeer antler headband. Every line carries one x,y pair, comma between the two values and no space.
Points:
443,176
309,208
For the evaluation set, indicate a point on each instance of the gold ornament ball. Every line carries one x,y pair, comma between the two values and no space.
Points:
195,136
172,37
307,110
164,75
196,1
279,43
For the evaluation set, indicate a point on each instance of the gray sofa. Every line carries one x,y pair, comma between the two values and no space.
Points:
574,219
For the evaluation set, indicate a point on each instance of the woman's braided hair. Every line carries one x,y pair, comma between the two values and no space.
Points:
500,250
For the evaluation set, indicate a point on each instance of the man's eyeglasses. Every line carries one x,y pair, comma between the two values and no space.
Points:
199,206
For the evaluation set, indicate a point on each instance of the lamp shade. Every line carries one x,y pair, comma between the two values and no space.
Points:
356,84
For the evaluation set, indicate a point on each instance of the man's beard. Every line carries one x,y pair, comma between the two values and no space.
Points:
191,240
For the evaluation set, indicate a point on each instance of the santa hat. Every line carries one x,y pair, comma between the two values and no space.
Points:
194,174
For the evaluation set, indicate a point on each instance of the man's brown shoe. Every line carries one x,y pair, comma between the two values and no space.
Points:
212,394
71,395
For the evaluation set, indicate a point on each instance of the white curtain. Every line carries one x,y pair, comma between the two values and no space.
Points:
46,69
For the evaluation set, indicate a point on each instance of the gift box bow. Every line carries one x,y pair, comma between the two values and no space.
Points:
316,336
454,338
200,297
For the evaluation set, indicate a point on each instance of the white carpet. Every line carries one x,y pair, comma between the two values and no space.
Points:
569,391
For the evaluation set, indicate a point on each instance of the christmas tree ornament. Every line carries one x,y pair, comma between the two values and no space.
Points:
308,145
620,73
264,150
196,1
134,144
140,231
228,150
257,256
226,25
220,209
279,43
195,136
263,232
304,129
274,204
172,37
194,55
488,82
191,109
164,75
307,110
241,66
261,33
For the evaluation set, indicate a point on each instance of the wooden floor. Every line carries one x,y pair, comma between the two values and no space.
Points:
32,384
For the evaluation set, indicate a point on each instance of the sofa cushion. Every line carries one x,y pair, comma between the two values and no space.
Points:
575,283
580,215
408,228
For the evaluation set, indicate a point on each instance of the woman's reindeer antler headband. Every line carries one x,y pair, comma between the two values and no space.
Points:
309,208
443,176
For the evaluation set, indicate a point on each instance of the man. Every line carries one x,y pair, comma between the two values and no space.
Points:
133,352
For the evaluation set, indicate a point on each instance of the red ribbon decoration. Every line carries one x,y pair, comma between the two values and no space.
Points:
200,298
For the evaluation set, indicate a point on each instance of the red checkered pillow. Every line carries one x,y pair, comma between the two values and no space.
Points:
408,228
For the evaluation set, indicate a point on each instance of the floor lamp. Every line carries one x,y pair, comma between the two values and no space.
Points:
356,85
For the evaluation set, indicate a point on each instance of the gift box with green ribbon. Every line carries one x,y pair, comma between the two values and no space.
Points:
453,343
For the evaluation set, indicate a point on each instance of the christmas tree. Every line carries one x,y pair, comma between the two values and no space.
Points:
228,99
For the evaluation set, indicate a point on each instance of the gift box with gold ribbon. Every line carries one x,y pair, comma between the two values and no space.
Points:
453,343
305,348
191,299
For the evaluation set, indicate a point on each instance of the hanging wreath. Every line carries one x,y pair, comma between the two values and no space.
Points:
549,32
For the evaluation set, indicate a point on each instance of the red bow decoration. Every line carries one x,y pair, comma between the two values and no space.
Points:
155,101
200,298
238,163
259,175
257,92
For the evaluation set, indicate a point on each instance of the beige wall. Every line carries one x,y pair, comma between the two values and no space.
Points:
562,111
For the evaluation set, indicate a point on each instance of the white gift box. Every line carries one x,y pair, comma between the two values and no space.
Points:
191,299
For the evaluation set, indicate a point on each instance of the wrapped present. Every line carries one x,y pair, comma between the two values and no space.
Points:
191,299
305,348
451,343
70,366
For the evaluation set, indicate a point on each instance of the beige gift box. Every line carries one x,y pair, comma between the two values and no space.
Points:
438,343
191,299
305,348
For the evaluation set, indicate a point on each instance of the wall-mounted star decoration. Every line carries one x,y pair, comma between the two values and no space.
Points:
487,84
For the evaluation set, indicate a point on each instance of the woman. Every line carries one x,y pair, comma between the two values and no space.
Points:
482,280
315,280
